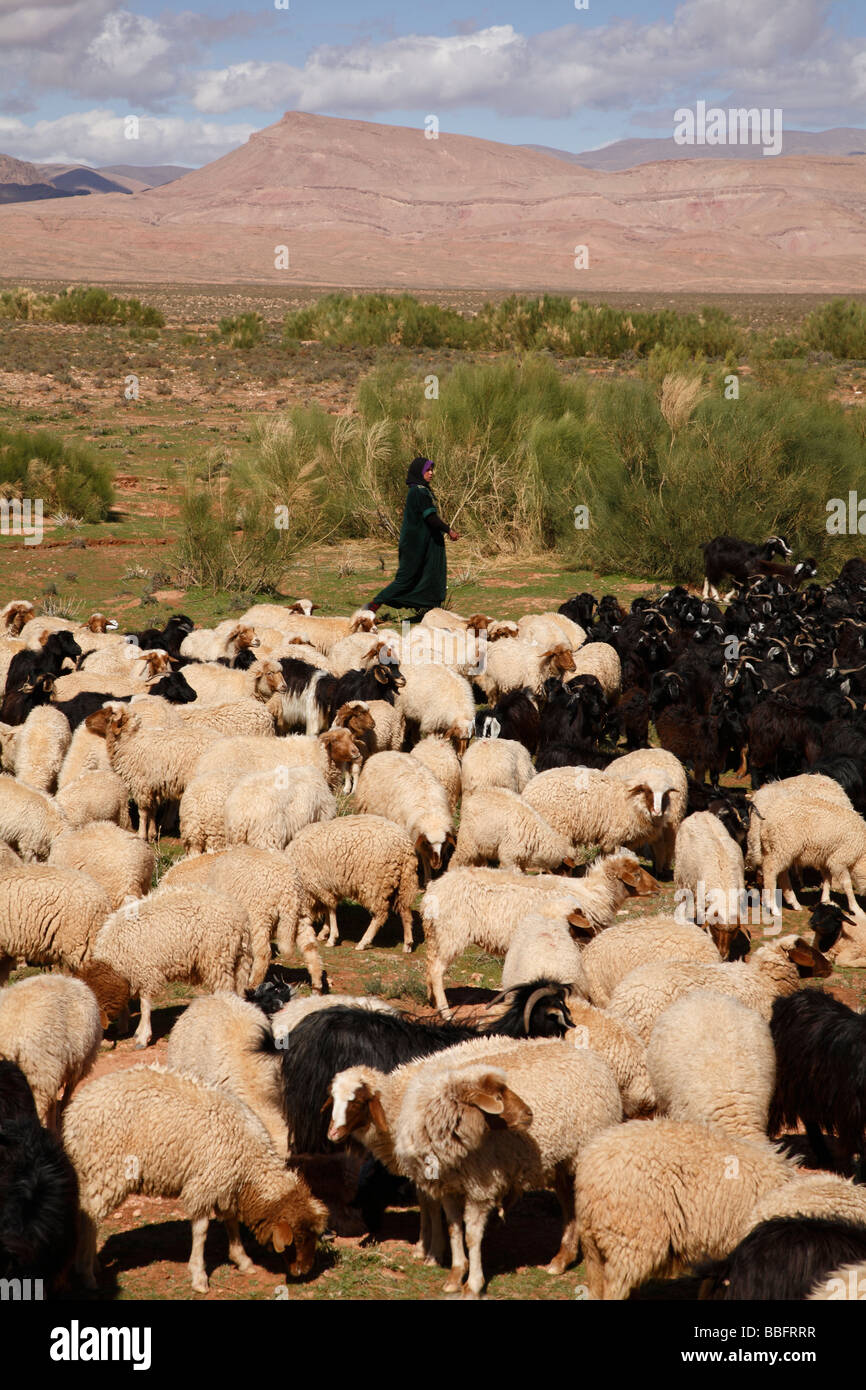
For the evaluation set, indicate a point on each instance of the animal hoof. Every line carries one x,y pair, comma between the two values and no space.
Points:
141,1047
200,1285
361,945
407,950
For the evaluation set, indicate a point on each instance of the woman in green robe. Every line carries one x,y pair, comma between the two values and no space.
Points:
421,579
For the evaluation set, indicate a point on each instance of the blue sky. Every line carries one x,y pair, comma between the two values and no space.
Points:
202,76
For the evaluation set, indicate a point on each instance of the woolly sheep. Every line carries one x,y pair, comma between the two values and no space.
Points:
823,835
50,1026
191,1141
592,808
665,775
291,1014
710,1058
223,1040
41,744
190,935
805,785
548,1097
29,820
154,767
620,1047
266,810
237,717
397,786
218,685
496,762
709,876
654,1196
436,753
223,641
256,754
772,970
321,633
116,858
611,955
267,887
438,701
601,660
94,796
367,858
813,1195
548,629
512,663
499,825
389,725
86,753
49,915
544,948
202,813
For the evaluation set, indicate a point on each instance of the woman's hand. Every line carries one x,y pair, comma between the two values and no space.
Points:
453,534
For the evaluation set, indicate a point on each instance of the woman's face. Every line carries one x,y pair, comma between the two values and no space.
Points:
427,473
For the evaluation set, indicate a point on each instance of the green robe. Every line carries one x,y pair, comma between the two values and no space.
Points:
421,579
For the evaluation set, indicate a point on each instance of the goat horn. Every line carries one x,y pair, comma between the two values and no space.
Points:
531,1003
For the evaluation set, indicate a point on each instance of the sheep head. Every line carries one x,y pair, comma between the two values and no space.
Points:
268,679
496,631
559,658
297,1220
467,1103
637,881
97,622
642,790
460,735
157,663
340,746
242,637
479,622
808,960
111,989
302,605
363,621
357,1103
15,615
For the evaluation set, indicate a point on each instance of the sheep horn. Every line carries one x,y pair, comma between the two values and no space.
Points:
531,1003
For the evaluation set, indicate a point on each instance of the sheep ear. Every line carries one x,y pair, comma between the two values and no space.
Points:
99,721
283,1235
492,1096
451,838
807,959
377,1114
579,926
374,651
545,656
380,675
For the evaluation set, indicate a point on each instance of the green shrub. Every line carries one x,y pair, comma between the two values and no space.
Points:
838,327
243,330
67,477
91,304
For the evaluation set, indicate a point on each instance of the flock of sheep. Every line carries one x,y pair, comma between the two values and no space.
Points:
636,1066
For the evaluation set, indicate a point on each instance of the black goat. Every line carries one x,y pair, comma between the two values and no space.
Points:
173,687
730,555
38,1189
784,1259
168,639
48,660
18,703
517,717
333,1039
820,1070
580,609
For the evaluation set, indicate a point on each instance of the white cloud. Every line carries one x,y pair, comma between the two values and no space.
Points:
97,137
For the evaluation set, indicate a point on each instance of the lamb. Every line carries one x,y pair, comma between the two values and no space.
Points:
154,768
499,825
548,1100
601,660
774,969
94,796
711,1059
29,820
266,886
621,1048
267,809
513,664
222,642
50,1026
437,700
193,1141
665,775
709,869
49,915
192,935
116,858
397,786
594,808
614,953
217,685
41,743
820,835
367,858
436,753
496,762
653,1196
222,1039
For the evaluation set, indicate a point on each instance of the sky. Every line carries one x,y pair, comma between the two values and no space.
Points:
201,80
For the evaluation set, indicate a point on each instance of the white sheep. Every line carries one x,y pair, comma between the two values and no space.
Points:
367,858
116,858
547,629
496,762
620,1047
594,808
656,1196
29,820
543,947
267,809
86,753
438,701
154,1131
709,876
227,1042
321,633
49,915
436,752
601,660
202,813
772,970
805,785
398,787
94,796
666,777
222,642
499,825
266,886
823,835
188,935
257,754
812,1195
711,1058
512,663
50,1026
614,953
219,685
389,725
237,717
41,744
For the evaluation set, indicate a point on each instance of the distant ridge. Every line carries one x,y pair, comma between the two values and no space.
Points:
628,154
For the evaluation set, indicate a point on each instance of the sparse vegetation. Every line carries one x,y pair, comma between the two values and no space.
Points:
65,476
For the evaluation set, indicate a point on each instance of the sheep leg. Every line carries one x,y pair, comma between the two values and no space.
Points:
406,919
454,1216
312,960
789,897
85,1254
431,1243
237,1253
436,983
594,1267
143,1032
376,921
333,929
848,889
825,888
196,1259
474,1220
567,1252
706,589
769,875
